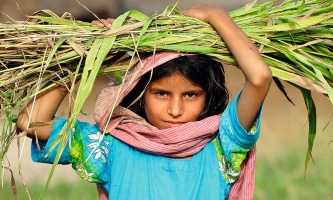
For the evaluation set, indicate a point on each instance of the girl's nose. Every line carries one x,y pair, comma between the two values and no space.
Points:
175,107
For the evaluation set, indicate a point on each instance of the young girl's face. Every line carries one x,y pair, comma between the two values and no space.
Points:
172,101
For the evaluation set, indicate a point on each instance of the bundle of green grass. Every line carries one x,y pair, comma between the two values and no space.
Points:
294,38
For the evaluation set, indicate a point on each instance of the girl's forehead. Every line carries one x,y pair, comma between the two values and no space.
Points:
174,81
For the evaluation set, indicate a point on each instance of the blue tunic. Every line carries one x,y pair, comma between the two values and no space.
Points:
128,173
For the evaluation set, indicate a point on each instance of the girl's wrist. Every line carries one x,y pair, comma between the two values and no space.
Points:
218,15
63,90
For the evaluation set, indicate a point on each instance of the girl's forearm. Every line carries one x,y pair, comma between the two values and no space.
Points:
243,49
42,109
257,74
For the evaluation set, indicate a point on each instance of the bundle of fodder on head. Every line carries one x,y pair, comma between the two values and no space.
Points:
294,38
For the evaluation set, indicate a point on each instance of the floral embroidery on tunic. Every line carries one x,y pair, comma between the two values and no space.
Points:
231,170
85,154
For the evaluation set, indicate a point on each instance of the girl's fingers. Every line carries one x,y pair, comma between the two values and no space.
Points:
103,23
199,11
96,22
108,22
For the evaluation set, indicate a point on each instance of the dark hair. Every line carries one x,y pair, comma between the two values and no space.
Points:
201,70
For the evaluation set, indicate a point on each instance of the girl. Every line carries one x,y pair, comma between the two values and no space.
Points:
177,140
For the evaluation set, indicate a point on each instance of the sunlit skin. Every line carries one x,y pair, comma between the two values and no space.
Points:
172,101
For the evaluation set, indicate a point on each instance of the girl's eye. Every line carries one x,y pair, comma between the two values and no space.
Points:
161,94
191,95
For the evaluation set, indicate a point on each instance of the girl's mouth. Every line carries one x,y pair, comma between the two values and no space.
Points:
171,124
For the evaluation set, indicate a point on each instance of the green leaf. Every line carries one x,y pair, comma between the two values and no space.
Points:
171,9
312,117
14,118
327,86
188,48
296,24
301,7
61,21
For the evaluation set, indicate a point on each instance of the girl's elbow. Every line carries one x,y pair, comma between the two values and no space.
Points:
263,79
23,125
42,133
22,122
267,76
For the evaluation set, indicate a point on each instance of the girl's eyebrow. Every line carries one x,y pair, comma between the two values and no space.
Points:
154,90
157,88
190,90
196,92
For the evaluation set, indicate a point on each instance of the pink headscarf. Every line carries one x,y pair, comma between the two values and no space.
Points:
181,141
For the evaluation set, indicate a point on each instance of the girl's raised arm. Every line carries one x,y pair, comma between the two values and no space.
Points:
47,103
257,74
42,110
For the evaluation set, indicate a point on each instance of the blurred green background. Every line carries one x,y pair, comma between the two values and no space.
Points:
281,149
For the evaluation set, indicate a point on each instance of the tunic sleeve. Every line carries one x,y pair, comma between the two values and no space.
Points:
44,152
235,141
87,150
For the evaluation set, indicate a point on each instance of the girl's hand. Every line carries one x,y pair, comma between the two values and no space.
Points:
104,23
204,12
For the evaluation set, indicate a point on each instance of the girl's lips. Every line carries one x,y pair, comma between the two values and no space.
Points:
173,124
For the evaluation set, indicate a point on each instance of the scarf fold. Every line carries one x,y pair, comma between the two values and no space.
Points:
181,141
